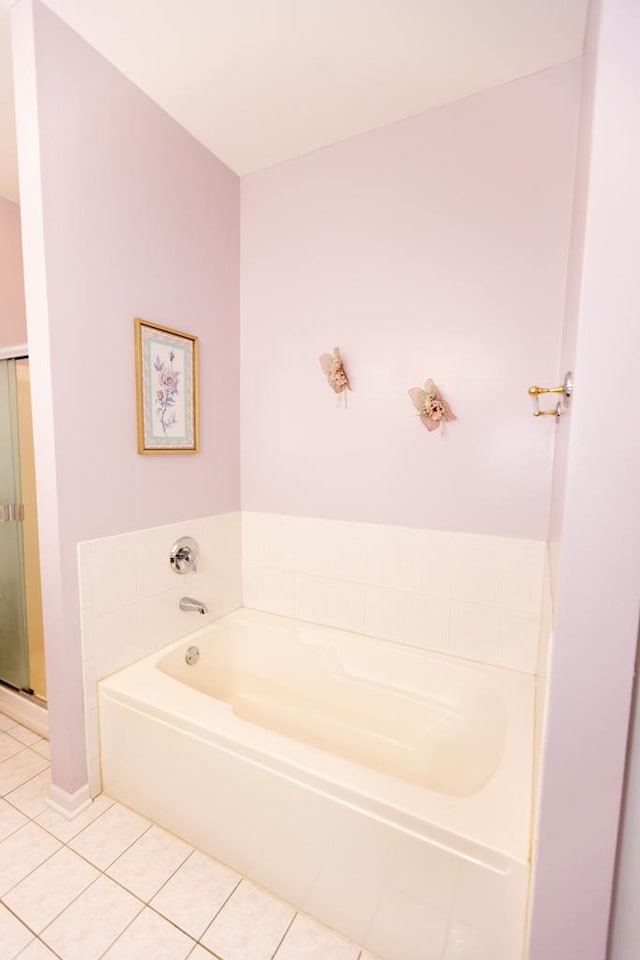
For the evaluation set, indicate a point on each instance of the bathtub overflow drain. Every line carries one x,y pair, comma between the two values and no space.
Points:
192,656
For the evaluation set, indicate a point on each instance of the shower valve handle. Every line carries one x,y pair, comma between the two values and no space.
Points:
183,556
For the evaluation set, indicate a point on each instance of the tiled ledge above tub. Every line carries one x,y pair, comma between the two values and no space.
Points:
129,599
472,596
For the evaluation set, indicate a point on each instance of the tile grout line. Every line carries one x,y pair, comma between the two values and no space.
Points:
284,935
115,940
5,796
35,936
24,747
218,911
33,870
37,939
19,810
71,902
111,863
23,727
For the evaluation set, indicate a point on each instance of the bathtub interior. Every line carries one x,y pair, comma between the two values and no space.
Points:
286,677
496,816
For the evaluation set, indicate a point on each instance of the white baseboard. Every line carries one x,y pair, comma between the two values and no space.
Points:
26,710
69,805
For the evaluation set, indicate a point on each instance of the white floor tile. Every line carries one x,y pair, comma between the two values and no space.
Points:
6,722
49,890
65,829
104,840
10,819
87,928
14,936
24,735
18,769
42,747
149,863
249,927
195,893
22,852
150,937
9,747
308,940
37,951
31,797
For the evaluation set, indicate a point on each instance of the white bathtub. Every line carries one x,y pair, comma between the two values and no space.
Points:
382,789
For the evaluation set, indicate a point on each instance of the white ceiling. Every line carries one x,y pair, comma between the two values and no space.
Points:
260,81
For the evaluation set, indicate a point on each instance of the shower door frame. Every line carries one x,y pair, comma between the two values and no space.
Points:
20,704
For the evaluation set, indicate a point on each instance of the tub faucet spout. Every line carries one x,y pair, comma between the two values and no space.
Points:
188,603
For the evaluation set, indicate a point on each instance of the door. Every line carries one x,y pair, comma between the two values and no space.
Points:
14,651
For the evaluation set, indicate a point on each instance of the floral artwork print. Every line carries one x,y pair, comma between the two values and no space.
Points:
432,408
332,366
167,389
167,392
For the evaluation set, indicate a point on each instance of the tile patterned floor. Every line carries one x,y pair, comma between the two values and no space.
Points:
112,885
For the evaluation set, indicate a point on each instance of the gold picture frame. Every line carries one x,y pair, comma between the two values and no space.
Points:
166,389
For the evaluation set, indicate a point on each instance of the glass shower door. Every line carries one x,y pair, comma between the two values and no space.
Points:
14,650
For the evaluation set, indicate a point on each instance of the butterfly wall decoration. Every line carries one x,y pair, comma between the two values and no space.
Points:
333,367
432,408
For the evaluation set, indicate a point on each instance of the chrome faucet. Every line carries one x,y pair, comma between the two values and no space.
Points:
188,603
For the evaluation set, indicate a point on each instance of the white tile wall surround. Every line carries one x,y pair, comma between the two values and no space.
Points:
473,596
129,600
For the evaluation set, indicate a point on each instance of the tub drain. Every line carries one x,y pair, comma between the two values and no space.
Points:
192,656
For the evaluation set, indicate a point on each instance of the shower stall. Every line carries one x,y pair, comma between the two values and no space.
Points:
21,633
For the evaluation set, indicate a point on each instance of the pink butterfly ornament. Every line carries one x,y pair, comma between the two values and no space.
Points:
432,408
333,368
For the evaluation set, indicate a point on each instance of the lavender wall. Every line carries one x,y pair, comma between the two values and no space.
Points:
574,290
594,649
436,247
131,217
13,328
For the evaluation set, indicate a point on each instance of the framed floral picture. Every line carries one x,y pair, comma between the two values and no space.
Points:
167,389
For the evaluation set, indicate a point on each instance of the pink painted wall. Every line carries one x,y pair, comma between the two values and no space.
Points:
13,327
598,611
135,218
434,247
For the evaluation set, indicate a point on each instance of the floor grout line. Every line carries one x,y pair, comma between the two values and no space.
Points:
33,869
5,796
219,910
284,935
115,939
111,863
